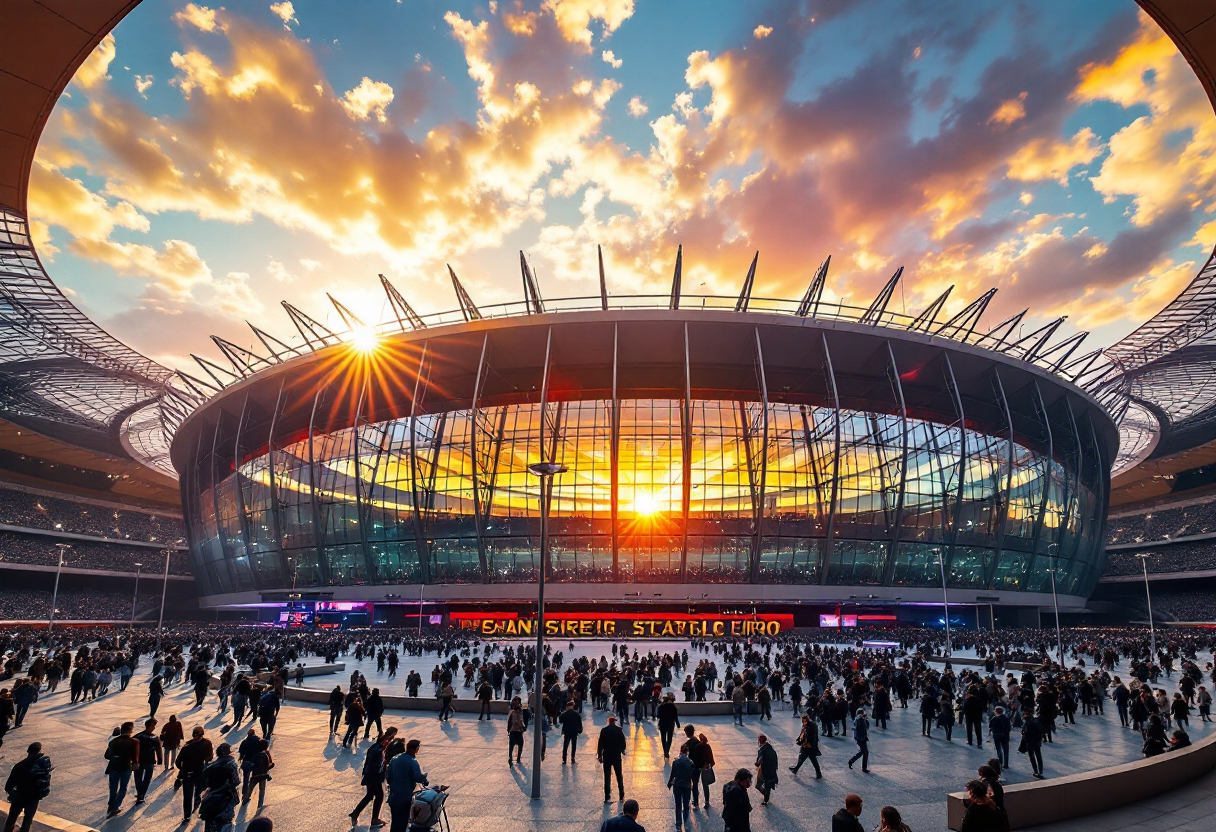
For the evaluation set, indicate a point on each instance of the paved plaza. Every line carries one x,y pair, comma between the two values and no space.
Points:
316,781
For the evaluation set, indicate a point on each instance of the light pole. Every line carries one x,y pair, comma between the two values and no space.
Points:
63,548
546,471
164,591
421,595
1055,601
1152,630
135,596
941,563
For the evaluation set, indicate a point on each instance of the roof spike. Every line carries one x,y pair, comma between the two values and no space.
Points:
467,307
401,308
531,289
926,319
200,387
969,317
878,308
675,280
1040,336
1071,342
242,359
1005,328
745,296
308,328
349,318
1085,362
208,366
603,281
814,292
266,338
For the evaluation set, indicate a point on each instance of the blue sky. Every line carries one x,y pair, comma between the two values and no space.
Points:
207,162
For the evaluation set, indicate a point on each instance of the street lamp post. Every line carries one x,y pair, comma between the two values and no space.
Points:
941,564
546,471
63,548
164,591
1152,629
421,595
1055,602
135,595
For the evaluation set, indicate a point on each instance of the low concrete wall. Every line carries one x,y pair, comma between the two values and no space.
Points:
309,670
973,662
1062,798
466,703
49,823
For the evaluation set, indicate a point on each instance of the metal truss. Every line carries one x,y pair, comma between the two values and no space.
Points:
64,376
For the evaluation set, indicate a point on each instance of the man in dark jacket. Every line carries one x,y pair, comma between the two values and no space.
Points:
375,713
999,728
122,757
572,726
191,761
736,805
150,757
221,779
609,750
373,779
268,711
766,767
27,783
845,820
669,721
682,780
485,695
626,821
861,735
975,706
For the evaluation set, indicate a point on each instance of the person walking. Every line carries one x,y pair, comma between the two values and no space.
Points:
373,779
516,725
156,692
572,726
846,819
28,782
681,781
336,700
375,713
609,750
669,720
736,805
861,735
122,757
245,752
703,757
999,729
263,762
402,776
766,767
150,756
485,695
354,721
808,747
171,737
268,711
626,821
220,780
1032,744
194,757
446,694
928,713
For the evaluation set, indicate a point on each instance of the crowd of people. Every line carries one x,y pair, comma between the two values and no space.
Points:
1177,557
75,604
836,688
1163,524
41,550
1178,604
22,508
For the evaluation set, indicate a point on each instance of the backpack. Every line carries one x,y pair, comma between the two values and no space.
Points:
40,777
427,808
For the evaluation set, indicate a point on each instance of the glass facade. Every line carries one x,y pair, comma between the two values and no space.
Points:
702,491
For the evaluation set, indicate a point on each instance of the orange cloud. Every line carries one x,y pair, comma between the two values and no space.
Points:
368,99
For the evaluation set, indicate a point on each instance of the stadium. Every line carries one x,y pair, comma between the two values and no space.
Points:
724,456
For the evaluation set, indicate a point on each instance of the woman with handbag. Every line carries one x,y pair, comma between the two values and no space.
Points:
705,761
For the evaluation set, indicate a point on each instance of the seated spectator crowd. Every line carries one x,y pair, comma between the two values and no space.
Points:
21,508
1163,524
76,604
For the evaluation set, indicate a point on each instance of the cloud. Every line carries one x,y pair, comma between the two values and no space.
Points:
309,264
279,272
143,83
367,99
611,59
286,12
574,17
637,107
762,31
200,17
95,69
1049,158
1010,111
